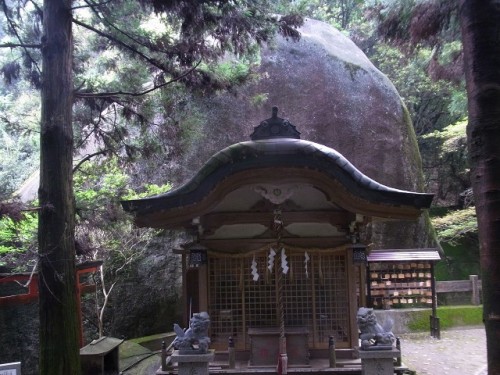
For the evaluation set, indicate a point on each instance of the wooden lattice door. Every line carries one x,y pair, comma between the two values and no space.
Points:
316,299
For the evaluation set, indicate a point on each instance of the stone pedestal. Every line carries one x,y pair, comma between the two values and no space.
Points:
378,362
192,364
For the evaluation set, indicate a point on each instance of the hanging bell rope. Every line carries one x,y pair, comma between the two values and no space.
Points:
278,230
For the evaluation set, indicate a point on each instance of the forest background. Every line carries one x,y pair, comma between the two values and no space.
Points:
130,142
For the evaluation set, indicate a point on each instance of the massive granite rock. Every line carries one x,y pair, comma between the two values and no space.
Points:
326,86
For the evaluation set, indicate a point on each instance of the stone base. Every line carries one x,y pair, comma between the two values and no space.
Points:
167,372
192,364
378,362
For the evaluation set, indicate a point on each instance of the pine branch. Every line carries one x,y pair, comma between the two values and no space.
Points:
13,45
132,49
113,26
135,94
88,157
92,5
12,27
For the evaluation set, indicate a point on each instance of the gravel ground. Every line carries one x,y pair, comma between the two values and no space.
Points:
458,352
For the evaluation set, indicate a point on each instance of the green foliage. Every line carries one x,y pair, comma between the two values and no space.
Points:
427,100
259,99
461,260
452,141
99,186
19,121
149,191
18,236
458,102
446,150
458,235
456,225
340,13
453,136
450,52
449,317
229,73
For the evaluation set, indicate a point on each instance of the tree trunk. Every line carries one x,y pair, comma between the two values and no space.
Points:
480,23
59,330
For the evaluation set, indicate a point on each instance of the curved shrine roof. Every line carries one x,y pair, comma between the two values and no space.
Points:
278,159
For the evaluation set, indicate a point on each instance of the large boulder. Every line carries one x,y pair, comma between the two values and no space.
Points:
326,86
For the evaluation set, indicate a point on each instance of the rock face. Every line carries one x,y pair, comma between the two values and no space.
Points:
332,93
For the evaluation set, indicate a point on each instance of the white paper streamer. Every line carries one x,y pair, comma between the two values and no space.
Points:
270,260
306,260
255,272
284,263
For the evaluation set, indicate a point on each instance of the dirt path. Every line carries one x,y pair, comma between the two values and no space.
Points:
458,352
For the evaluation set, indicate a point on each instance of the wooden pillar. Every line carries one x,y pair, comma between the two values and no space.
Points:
475,299
434,320
363,287
368,287
185,298
351,286
203,287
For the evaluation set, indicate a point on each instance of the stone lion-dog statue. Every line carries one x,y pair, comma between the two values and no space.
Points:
372,334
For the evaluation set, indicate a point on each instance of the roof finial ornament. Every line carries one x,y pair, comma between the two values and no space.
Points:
274,127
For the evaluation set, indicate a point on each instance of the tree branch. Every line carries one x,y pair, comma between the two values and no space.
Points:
12,26
88,157
121,43
113,26
92,5
124,93
33,270
13,45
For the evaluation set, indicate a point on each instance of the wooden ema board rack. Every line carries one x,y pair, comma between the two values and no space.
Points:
399,285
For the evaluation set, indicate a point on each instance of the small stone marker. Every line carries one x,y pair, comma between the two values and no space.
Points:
13,368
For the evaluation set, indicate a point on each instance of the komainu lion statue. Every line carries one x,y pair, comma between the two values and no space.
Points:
195,339
372,334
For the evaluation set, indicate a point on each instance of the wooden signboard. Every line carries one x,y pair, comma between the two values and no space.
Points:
13,368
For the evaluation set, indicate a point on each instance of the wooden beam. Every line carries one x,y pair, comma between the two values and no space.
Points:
215,220
238,245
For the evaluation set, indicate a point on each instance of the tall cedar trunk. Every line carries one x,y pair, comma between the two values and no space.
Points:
480,23
59,331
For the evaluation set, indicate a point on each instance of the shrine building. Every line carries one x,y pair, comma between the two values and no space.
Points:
278,247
